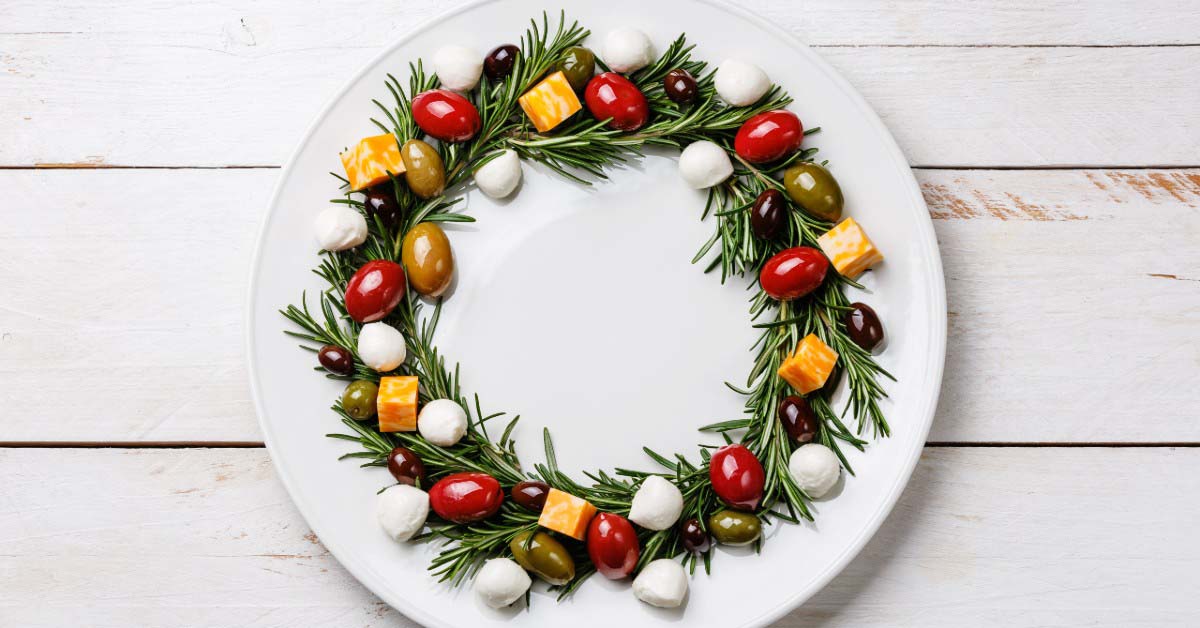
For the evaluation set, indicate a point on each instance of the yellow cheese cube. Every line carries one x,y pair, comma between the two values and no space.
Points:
550,102
369,162
809,366
567,514
397,403
849,248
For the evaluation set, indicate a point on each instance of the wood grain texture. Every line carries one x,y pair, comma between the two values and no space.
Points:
218,84
209,538
1071,293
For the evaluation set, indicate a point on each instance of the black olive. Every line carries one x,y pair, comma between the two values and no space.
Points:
680,86
381,201
863,326
798,419
499,62
336,360
769,214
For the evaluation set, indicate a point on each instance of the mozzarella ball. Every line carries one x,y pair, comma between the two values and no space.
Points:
657,504
340,228
703,164
402,510
458,67
627,49
662,583
442,422
815,468
500,176
500,582
381,346
739,83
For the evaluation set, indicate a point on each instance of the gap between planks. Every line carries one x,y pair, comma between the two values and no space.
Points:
260,445
88,165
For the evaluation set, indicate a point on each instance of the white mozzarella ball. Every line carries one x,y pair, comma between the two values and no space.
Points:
662,583
402,510
458,67
739,83
340,228
657,504
627,49
500,176
500,582
381,346
442,422
815,468
704,164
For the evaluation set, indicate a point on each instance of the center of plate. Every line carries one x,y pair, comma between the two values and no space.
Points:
580,310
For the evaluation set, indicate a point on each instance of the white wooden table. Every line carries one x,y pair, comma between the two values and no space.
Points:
1058,145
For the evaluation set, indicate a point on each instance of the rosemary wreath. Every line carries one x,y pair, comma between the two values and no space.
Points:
581,151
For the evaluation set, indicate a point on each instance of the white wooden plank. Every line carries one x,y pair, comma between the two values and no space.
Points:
982,537
1075,295
220,84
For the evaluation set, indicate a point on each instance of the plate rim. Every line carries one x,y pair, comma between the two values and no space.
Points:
935,290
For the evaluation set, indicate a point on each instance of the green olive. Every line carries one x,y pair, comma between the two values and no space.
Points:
730,527
359,399
578,65
812,187
423,168
543,556
427,259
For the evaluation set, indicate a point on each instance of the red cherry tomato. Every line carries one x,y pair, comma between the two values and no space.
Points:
737,477
445,115
769,136
611,95
612,545
375,290
466,497
793,273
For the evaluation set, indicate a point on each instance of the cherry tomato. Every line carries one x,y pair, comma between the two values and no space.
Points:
737,477
445,115
611,95
375,290
793,273
612,545
466,497
769,136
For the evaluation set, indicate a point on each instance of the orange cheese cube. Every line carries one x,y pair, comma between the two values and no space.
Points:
809,366
849,248
550,102
397,404
567,514
369,162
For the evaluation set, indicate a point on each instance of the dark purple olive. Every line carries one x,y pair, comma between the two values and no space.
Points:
863,326
499,62
695,539
406,467
831,383
798,419
336,360
381,201
769,214
680,86
531,494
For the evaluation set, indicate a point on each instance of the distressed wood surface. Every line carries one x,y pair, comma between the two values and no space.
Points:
209,538
155,89
1071,293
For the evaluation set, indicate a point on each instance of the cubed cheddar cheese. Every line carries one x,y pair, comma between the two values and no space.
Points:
369,162
397,404
849,248
809,366
550,102
567,514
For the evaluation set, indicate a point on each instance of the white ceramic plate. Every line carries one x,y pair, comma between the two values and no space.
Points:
578,308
